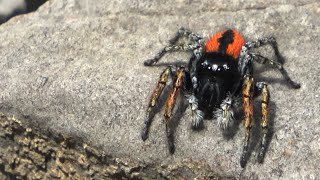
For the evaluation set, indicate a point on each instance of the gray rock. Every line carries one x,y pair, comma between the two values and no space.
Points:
77,67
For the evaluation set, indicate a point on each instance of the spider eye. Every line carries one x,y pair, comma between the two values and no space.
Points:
225,67
214,67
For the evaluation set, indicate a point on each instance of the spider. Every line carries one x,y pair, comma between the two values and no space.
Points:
219,74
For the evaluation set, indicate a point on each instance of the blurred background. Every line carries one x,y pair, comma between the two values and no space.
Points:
10,8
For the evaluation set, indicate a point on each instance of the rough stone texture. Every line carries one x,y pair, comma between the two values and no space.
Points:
76,67
27,153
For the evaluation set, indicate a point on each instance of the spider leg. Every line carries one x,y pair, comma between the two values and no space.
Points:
195,42
248,91
170,48
153,101
185,32
262,88
171,101
264,41
279,66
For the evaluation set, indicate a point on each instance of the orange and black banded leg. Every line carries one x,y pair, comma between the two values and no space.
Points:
263,88
171,101
248,91
279,66
153,101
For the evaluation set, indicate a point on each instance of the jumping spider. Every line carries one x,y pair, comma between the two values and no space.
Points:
219,72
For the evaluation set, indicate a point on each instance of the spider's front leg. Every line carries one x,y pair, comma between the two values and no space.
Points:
171,101
262,88
248,91
153,101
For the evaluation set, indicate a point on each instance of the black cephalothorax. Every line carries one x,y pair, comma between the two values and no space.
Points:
217,76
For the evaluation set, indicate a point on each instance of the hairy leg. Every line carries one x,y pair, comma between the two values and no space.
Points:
248,90
170,104
195,42
264,41
153,101
262,88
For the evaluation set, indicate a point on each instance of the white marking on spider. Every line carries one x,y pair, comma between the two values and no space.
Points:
214,67
225,114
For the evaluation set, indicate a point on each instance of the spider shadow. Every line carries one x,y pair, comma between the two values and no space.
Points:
176,63
233,128
270,80
256,130
161,102
177,116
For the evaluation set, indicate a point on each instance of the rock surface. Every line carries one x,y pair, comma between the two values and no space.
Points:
27,153
77,68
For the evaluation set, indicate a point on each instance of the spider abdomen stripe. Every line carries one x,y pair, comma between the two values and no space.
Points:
226,39
228,42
